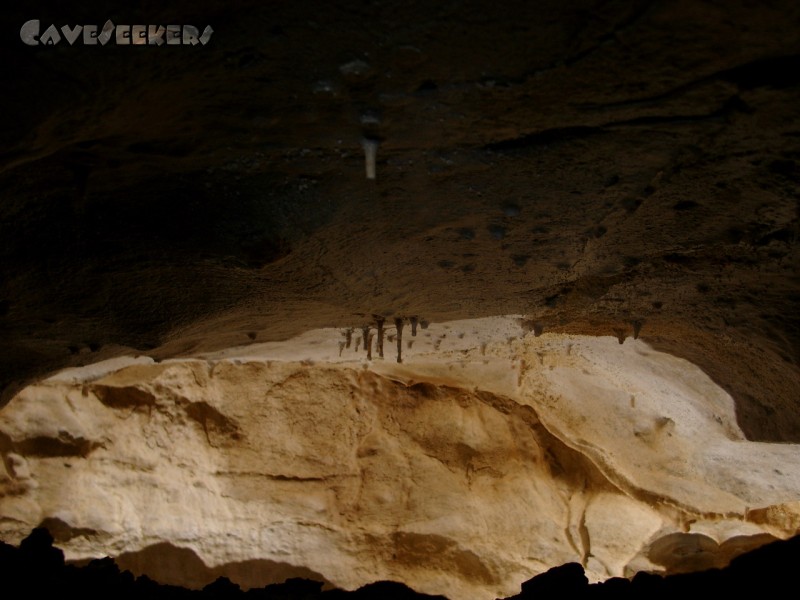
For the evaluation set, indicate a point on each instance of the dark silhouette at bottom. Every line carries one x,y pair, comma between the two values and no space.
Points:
37,567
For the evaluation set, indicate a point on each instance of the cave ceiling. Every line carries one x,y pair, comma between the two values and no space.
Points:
601,167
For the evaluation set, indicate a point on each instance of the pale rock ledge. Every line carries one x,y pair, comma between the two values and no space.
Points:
487,456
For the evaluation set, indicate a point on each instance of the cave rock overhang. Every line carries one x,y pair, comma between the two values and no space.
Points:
460,458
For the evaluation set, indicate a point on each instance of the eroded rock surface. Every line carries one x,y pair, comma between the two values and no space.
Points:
488,455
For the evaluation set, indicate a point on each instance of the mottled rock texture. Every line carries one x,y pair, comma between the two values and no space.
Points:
462,471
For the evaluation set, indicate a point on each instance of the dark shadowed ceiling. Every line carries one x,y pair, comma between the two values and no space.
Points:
610,167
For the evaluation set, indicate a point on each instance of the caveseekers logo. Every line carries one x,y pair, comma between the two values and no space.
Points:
122,35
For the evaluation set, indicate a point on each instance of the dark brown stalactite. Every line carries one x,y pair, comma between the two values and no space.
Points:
398,323
380,321
365,335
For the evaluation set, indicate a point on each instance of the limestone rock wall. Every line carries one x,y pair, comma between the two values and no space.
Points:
462,471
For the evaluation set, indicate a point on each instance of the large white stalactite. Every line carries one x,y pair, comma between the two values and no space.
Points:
488,455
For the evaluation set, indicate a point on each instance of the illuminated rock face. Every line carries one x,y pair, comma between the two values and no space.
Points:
487,456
